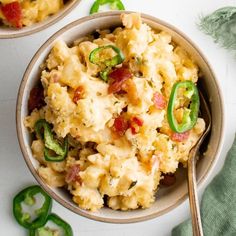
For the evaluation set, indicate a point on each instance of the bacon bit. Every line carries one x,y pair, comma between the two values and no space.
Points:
121,92
138,121
73,174
13,13
134,129
135,124
159,101
36,98
78,94
119,76
120,125
168,180
180,137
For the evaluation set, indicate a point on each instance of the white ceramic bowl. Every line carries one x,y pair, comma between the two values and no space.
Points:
9,32
167,198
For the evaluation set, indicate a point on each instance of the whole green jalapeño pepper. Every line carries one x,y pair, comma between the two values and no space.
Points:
48,231
27,197
43,130
114,5
95,58
190,113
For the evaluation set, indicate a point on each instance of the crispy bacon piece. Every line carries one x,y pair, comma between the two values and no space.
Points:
120,125
134,129
159,101
138,121
78,94
73,174
13,13
180,137
119,76
135,124
36,98
122,83
168,180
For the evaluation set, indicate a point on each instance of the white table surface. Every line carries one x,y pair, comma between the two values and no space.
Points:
15,55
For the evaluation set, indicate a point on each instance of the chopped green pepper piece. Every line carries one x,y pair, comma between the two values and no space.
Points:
104,74
114,5
50,143
27,196
47,231
44,232
59,157
107,63
116,60
190,114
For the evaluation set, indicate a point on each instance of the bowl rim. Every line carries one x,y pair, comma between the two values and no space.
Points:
23,148
43,25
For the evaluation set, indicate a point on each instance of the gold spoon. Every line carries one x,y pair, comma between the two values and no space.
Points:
192,183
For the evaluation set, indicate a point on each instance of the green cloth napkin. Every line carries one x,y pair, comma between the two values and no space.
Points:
218,206
221,26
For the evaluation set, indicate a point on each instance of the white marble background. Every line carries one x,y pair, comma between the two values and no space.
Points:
16,54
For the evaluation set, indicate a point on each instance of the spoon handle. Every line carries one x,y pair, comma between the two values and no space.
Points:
193,197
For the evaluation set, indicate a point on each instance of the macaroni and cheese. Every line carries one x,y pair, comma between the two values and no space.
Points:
114,116
19,13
